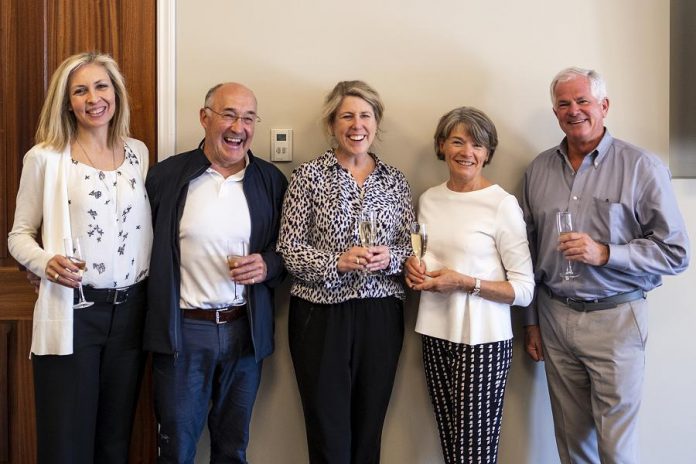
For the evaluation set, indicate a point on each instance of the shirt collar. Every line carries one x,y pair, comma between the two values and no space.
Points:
329,160
237,176
597,155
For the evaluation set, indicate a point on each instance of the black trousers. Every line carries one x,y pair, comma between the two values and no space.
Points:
345,357
85,402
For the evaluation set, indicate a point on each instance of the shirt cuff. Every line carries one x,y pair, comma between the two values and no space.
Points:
618,257
332,278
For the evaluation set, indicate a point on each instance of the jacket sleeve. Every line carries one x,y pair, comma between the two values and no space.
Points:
275,270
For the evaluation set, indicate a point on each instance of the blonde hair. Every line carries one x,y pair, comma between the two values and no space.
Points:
344,89
57,124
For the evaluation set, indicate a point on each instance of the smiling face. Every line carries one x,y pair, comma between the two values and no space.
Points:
580,114
464,156
226,142
354,126
92,97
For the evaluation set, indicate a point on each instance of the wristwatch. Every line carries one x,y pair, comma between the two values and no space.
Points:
477,288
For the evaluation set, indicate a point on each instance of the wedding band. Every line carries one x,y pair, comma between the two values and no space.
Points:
252,281
357,260
56,276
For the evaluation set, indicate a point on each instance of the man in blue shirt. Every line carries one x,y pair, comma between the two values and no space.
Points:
591,330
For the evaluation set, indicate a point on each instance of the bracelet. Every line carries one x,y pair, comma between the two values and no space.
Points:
477,288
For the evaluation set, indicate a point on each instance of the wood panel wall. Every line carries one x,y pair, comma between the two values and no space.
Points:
35,36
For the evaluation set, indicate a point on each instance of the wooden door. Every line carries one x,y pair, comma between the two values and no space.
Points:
35,36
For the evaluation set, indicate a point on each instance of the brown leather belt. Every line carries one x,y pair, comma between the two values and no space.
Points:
218,316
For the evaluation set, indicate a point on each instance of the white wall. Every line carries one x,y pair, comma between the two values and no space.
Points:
424,60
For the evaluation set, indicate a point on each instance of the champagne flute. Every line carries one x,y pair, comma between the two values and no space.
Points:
235,250
73,251
564,224
368,229
419,239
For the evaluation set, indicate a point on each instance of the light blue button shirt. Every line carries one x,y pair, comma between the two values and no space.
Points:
621,196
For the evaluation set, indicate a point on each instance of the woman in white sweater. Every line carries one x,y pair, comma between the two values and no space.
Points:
85,178
476,265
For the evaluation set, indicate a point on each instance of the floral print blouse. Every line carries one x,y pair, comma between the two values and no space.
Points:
321,214
110,212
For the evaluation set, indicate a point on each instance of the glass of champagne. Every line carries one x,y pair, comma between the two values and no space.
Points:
235,250
564,224
368,229
419,239
73,251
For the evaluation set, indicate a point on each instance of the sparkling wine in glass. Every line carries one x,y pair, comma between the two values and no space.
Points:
368,229
73,251
235,250
564,224
419,239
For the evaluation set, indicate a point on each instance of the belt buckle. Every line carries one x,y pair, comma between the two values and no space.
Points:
117,291
217,318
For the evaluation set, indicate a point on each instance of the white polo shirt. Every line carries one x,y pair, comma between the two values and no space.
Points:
215,213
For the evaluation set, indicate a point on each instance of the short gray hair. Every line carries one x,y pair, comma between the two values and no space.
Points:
598,86
209,95
476,123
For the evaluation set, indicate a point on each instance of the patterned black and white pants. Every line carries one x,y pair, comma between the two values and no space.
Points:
466,385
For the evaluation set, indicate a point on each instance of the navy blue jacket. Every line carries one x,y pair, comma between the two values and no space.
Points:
167,186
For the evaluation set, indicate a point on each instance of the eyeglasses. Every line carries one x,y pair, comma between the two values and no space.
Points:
232,117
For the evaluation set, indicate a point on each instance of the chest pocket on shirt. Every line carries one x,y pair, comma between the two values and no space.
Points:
613,222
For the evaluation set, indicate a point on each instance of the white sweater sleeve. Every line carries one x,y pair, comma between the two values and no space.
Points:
22,240
511,240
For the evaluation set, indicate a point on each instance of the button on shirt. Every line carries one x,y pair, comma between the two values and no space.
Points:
215,213
620,196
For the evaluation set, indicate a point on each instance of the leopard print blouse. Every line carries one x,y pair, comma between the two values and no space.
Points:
321,212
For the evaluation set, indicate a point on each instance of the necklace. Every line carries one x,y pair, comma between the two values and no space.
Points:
103,177
113,155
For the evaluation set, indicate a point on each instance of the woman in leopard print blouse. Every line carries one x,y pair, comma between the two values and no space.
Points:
346,317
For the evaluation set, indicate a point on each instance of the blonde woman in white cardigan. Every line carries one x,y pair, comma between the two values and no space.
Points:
85,178
476,265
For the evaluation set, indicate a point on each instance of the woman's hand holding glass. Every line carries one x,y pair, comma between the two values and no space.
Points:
442,280
415,271
358,258
75,255
62,271
379,258
354,259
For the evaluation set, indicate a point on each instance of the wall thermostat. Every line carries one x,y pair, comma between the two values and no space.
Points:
281,144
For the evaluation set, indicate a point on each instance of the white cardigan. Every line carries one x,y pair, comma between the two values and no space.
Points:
42,199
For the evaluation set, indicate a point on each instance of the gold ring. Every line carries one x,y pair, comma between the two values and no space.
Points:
357,261
56,276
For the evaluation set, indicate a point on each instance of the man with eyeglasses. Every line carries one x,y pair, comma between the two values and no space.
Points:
210,324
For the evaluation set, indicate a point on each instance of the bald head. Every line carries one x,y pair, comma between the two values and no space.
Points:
232,87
